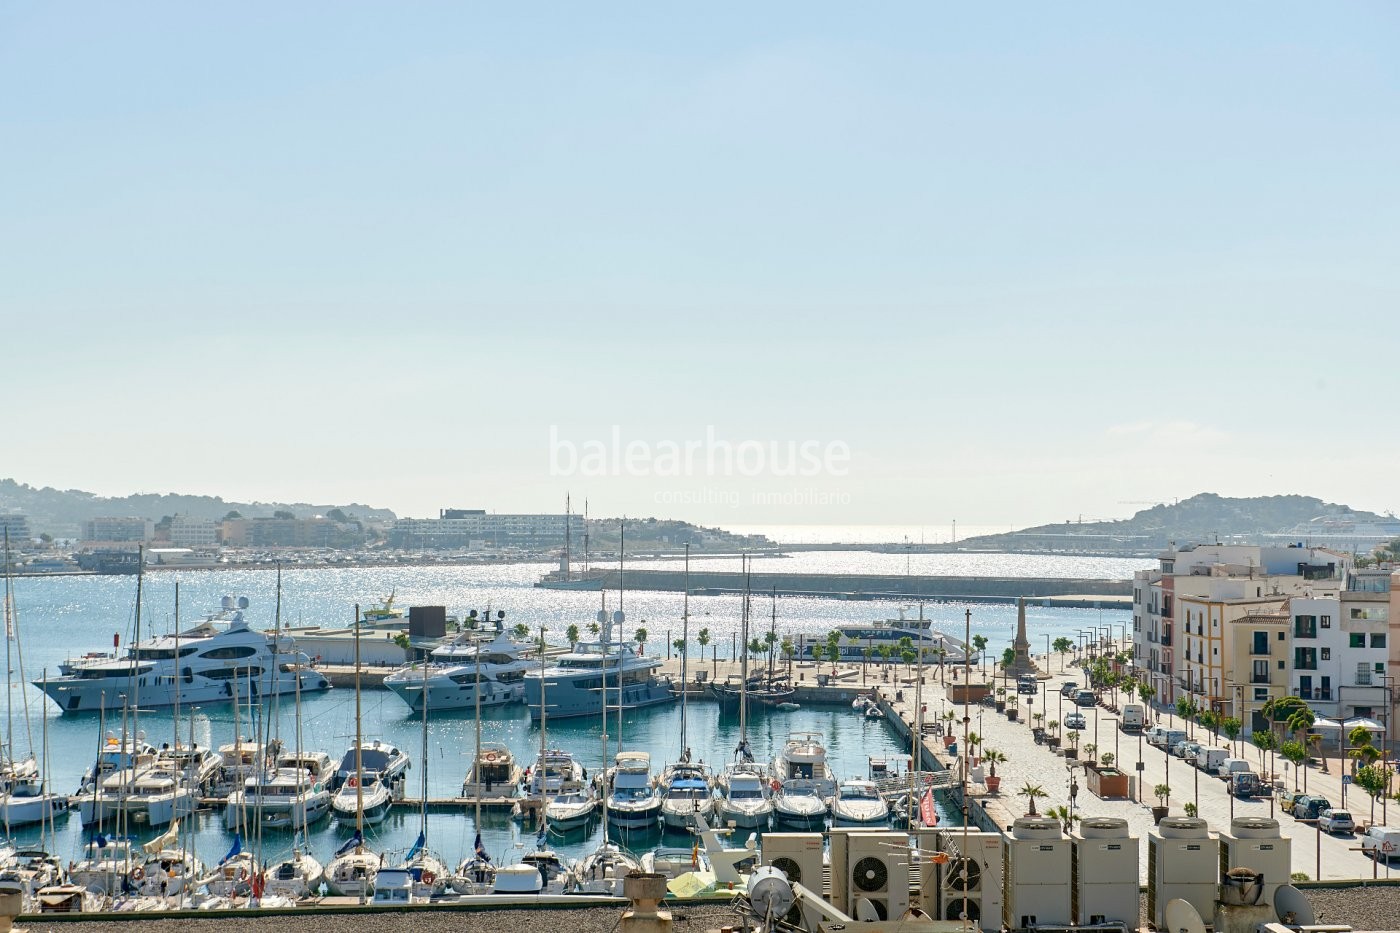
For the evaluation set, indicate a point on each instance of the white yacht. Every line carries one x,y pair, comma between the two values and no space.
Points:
375,798
157,798
746,797
218,659
284,798
297,876
804,757
454,674
104,864
25,799
353,870
633,802
799,804
937,646
317,766
686,792
570,807
601,871
241,760
575,685
126,753
194,767
493,775
552,769
858,803
385,760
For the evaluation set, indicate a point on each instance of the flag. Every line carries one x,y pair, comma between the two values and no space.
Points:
418,844
481,850
928,812
354,843
236,848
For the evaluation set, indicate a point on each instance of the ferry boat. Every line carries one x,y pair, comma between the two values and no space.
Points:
219,660
455,674
575,685
881,633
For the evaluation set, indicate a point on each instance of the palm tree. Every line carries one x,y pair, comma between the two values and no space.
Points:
1032,792
520,631
993,758
1062,647
865,654
572,633
1064,815
788,649
641,637
980,643
702,638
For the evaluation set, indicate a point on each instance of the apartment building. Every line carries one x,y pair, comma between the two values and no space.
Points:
118,530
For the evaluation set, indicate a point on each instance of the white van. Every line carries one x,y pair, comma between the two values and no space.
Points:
1381,842
1230,766
1134,714
1209,759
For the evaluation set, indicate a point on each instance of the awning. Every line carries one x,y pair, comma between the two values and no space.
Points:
1365,722
1326,725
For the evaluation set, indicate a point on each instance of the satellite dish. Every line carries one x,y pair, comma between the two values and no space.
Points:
1288,900
500,613
1183,918
867,911
226,602
619,617
242,602
471,614
602,616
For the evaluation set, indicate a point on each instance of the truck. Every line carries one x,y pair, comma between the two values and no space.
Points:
1134,715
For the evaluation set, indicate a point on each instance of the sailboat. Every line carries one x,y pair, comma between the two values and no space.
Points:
744,785
351,873
476,874
428,872
686,787
24,796
300,874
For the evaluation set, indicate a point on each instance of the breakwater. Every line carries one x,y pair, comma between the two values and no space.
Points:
1064,591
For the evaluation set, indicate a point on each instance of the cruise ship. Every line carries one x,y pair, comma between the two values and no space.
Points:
218,660
881,633
574,685
453,677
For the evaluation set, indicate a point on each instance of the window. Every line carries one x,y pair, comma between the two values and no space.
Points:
1326,654
1280,665
1326,621
1305,659
1261,693
1261,643
1282,636
1358,640
1378,640
1304,626
1380,667
230,653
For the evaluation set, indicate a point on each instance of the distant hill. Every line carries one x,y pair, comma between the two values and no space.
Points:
1205,518
61,512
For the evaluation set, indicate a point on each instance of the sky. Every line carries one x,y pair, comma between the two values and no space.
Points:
1009,263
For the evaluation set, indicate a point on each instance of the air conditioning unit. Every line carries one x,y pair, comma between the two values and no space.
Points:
1255,842
1105,872
797,855
1183,862
872,866
969,884
1038,861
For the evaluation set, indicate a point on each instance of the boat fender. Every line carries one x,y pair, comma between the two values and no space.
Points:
138,873
429,877
489,756
353,782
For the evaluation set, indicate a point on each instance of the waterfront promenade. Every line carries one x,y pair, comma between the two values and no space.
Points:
1317,855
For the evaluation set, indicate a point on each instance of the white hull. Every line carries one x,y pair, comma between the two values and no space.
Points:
353,874
21,811
296,878
747,814
280,813
681,814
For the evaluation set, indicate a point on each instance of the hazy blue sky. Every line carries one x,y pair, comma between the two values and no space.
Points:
1024,261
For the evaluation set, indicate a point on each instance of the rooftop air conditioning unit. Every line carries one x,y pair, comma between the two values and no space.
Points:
798,856
1105,872
969,884
870,866
1183,862
1254,842
1038,867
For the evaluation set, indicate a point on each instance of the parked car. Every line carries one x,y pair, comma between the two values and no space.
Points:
1027,684
1163,737
1069,688
1381,842
1288,799
1184,747
1074,721
1245,784
1085,698
1336,821
1308,808
1231,766
1134,715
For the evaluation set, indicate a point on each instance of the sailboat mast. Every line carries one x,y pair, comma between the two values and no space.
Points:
685,649
544,731
359,758
476,760
9,676
621,620
744,655
916,756
136,652
423,828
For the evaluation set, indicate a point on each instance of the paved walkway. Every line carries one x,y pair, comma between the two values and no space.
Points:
1315,854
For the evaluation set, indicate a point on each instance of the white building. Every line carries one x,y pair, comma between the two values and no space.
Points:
467,528
1340,653
193,532
16,525
119,529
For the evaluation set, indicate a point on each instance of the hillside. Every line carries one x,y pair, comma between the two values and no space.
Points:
61,512
1203,518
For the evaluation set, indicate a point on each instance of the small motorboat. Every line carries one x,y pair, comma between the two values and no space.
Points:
799,804
858,803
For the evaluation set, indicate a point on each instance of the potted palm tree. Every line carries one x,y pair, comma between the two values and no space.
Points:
1072,736
993,758
948,719
1163,794
1052,737
1001,699
1032,793
1065,816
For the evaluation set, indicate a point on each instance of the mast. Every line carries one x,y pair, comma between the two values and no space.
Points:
744,655
175,720
476,761
359,758
685,650
916,756
423,823
544,733
621,620
9,673
603,712
136,652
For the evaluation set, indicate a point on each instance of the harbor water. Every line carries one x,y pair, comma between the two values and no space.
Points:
62,616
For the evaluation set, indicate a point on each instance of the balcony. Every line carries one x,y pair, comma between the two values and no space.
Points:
1260,651
1259,678
1305,631
1316,694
